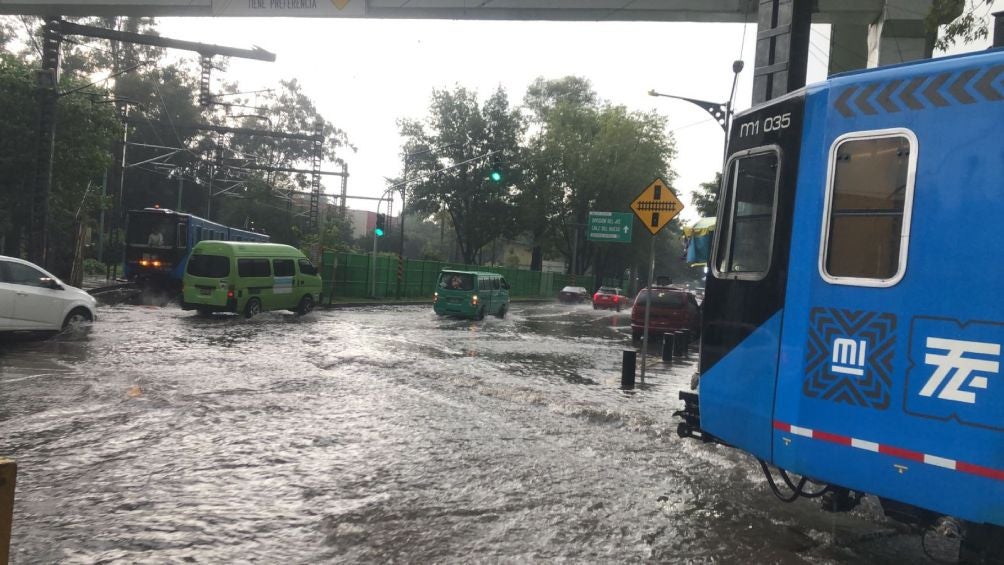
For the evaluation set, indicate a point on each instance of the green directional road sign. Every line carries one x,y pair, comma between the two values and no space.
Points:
611,227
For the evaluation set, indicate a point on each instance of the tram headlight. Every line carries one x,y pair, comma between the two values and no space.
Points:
474,300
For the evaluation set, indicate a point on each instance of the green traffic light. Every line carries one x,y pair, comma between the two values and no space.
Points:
495,176
378,232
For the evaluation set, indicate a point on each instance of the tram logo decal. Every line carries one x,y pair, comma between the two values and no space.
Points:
849,357
954,371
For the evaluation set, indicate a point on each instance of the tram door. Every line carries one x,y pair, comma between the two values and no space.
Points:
745,287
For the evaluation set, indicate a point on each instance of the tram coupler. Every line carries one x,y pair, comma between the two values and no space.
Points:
690,427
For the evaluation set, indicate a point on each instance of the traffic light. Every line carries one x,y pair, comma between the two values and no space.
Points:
381,225
495,173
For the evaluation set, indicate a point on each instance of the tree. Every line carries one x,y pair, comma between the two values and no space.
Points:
84,132
588,155
963,21
464,140
705,199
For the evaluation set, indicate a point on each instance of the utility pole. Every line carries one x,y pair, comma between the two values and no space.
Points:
400,227
47,84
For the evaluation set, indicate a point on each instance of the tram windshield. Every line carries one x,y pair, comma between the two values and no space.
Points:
747,228
149,230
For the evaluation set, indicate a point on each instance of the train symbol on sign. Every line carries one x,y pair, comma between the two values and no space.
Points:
656,206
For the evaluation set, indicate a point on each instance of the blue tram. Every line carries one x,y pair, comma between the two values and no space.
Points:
853,320
159,241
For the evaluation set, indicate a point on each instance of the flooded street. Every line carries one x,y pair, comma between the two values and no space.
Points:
383,434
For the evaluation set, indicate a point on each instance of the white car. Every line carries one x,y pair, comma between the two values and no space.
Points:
33,299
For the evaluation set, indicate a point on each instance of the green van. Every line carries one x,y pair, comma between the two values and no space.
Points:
249,278
471,294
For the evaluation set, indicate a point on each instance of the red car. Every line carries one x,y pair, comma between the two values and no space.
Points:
610,298
672,309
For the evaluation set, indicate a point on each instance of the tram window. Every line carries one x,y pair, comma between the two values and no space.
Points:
198,234
747,227
868,201
182,235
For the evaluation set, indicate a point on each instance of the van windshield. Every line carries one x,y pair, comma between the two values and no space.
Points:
456,281
212,266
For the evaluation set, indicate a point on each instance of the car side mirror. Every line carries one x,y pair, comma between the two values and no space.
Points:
51,283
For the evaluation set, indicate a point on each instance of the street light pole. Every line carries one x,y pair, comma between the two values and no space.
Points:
720,111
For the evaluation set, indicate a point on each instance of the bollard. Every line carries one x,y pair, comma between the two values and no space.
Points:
668,346
680,338
8,474
627,368
685,346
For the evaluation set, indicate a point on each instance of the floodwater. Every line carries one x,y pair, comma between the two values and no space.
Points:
383,434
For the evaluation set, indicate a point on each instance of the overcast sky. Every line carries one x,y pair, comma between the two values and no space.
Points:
366,74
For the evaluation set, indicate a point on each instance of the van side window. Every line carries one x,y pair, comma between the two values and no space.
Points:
253,267
307,268
496,284
868,201
283,267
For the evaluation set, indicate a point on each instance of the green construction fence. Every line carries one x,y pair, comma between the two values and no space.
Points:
351,275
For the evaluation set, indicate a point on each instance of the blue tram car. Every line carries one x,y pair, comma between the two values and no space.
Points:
853,320
159,242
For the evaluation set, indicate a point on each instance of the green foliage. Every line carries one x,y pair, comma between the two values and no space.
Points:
963,21
706,198
587,156
84,133
93,267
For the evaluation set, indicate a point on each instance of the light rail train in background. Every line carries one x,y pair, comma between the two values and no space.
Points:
159,242
853,318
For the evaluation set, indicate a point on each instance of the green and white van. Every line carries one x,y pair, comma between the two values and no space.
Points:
471,294
249,278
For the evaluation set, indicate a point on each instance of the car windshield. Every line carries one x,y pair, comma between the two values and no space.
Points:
212,266
664,298
456,281
607,290
575,289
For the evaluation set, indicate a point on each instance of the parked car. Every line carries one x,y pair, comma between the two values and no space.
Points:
31,299
610,298
573,295
672,309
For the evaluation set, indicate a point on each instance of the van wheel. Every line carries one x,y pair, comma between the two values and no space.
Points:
480,315
252,308
501,312
306,305
76,318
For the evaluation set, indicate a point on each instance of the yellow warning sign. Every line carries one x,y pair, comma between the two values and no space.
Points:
656,206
